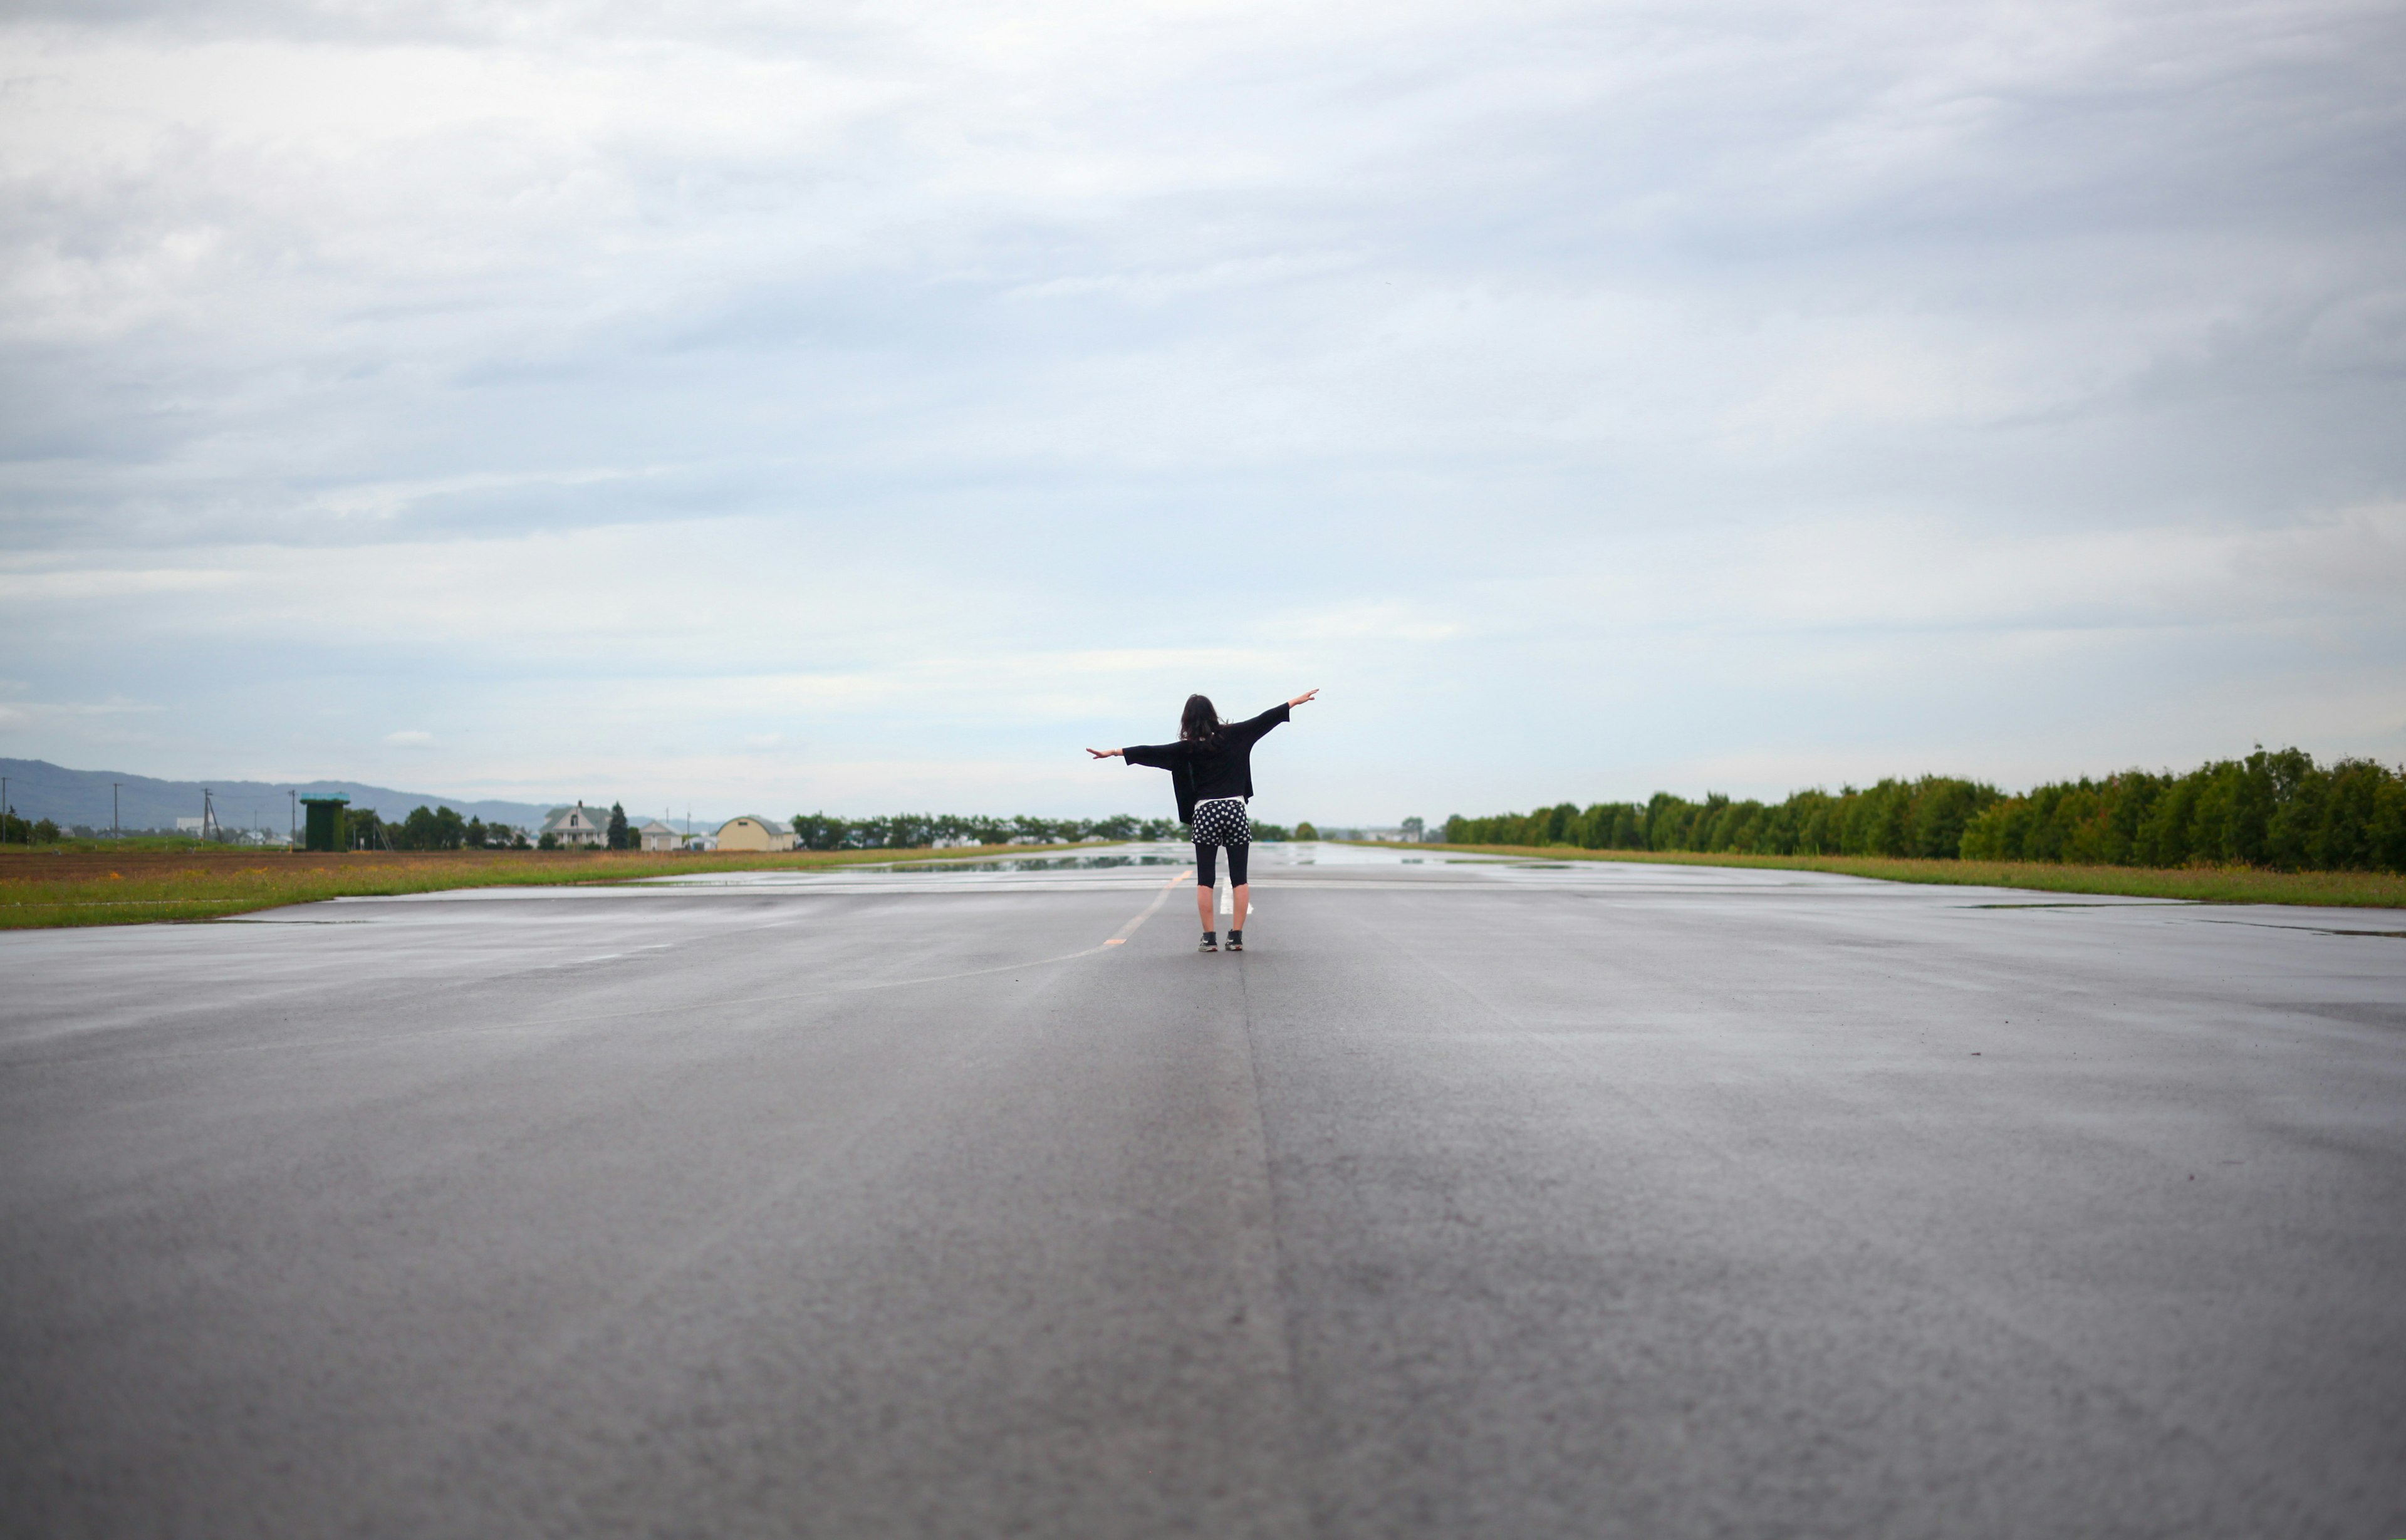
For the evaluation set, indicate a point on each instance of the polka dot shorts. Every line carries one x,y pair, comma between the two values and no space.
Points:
1221,821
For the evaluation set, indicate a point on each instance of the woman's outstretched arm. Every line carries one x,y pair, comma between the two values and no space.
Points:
1104,754
1305,697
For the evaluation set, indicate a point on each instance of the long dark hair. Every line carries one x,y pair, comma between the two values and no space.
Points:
1200,723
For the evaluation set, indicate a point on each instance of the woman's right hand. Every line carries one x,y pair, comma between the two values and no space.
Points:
1304,698
1104,754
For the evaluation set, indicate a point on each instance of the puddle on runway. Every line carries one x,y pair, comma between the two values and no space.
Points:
1139,865
1027,863
1267,853
1271,863
1134,858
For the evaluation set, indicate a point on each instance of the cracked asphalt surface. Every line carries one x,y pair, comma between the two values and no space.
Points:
1477,1199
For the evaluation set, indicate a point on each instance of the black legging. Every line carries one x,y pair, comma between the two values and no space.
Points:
1207,864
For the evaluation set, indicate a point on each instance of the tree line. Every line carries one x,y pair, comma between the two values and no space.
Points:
1924,818
16,831
425,829
441,828
2271,809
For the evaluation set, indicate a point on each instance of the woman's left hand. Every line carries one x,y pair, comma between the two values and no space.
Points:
1304,698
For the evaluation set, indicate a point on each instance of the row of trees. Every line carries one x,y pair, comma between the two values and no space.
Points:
435,828
2275,809
2271,809
441,828
1924,818
16,831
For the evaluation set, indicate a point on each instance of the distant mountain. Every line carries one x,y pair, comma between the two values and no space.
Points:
39,789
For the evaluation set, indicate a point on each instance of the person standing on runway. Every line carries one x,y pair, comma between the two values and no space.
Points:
1211,770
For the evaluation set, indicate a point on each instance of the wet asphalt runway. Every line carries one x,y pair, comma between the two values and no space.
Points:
1474,1201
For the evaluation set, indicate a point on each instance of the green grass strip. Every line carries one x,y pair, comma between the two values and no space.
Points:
31,899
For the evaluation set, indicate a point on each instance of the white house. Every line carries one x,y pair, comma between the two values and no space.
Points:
753,832
577,826
659,836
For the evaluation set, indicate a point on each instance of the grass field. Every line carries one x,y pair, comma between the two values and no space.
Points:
84,885
2201,884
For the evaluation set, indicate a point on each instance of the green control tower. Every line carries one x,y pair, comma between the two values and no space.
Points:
327,827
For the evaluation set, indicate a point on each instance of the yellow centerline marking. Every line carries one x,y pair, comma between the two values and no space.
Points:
1151,909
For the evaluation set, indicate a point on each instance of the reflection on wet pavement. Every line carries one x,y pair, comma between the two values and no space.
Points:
1279,863
1283,852
1288,864
1027,863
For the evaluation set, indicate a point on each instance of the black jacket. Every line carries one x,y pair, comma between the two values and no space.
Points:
1200,771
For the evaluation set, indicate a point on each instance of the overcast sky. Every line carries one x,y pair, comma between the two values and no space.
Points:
866,406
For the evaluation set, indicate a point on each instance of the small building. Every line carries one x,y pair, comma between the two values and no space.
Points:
579,826
753,832
326,825
659,836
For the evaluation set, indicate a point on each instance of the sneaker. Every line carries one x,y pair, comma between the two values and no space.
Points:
1210,941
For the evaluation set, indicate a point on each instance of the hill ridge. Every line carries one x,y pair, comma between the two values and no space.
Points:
39,789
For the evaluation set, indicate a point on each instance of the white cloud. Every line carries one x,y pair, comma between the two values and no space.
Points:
94,582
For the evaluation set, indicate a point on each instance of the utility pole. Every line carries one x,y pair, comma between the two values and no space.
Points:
293,830
114,831
5,811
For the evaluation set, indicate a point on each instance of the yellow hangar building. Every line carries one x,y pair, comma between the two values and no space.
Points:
753,832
